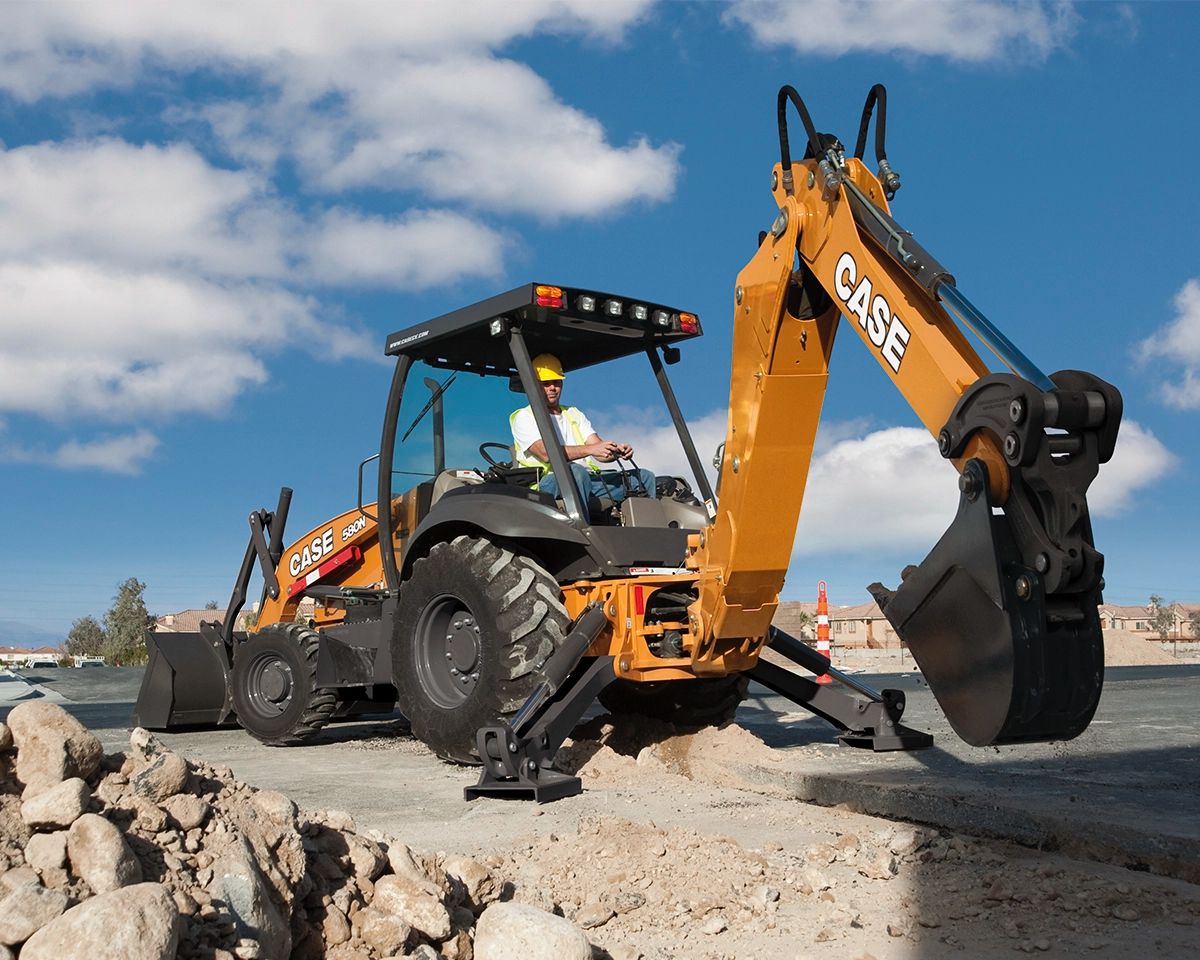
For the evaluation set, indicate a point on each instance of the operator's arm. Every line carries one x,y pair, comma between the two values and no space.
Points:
603,450
526,439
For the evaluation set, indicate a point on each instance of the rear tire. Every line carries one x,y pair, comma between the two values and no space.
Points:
274,680
474,625
705,702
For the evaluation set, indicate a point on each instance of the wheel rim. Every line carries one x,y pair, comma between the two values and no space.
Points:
447,652
270,684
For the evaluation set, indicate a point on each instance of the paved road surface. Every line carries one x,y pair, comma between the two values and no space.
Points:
1125,791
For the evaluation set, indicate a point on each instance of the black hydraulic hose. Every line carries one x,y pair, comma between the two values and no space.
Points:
877,94
786,93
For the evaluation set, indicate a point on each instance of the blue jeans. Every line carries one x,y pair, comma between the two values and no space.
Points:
605,484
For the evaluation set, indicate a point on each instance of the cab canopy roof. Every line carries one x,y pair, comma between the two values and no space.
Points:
581,327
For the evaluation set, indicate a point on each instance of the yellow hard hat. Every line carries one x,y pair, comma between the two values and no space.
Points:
547,367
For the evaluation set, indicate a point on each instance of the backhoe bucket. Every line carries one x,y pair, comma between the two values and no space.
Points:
186,683
1007,663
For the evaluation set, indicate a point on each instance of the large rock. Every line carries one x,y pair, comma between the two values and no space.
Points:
417,903
276,807
164,776
51,745
186,810
47,851
387,934
479,886
58,806
99,855
18,877
26,910
238,882
367,859
134,923
6,740
516,931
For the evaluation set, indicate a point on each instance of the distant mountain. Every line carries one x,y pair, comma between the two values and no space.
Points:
14,633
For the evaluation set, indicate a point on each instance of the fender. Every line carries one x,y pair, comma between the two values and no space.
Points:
507,513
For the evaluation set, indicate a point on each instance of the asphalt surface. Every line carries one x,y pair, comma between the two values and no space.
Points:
1125,792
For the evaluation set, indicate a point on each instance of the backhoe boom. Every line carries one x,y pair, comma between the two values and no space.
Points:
834,250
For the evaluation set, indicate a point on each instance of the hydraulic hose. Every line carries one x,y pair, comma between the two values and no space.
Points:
877,94
887,176
786,93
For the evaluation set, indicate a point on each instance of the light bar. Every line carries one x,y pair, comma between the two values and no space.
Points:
688,323
547,296
639,312
613,307
662,318
585,302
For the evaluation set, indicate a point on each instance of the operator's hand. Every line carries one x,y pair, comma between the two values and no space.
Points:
604,450
624,450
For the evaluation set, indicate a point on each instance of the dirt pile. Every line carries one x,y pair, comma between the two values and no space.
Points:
607,753
147,855
1123,648
642,891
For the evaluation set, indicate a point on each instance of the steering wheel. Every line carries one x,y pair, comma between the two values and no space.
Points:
500,464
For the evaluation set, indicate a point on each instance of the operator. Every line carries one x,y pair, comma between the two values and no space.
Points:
580,442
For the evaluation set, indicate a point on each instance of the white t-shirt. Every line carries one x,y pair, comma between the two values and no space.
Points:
525,433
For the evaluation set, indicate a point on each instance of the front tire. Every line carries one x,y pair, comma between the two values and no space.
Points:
274,680
474,625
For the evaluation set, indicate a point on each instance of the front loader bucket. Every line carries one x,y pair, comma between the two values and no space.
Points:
1006,663
186,683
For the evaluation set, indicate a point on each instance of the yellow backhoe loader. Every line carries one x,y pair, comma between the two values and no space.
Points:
494,614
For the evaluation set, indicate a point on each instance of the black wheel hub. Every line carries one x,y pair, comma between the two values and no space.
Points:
270,684
447,651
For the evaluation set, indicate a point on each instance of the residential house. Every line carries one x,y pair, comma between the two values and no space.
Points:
14,656
1140,620
188,621
863,626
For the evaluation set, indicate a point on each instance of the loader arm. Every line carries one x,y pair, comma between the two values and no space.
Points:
1012,600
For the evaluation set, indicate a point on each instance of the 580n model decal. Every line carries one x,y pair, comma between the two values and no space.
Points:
883,328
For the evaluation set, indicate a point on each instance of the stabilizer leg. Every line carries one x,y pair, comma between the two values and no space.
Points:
872,723
518,755
519,765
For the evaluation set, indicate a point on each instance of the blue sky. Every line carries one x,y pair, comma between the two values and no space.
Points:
210,217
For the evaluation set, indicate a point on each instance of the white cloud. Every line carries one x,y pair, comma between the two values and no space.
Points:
142,282
888,490
396,96
1139,460
978,31
421,249
154,207
80,339
126,453
1177,343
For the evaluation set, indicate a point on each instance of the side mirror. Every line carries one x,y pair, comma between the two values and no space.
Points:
670,355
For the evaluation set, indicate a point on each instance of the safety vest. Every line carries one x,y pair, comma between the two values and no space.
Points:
571,415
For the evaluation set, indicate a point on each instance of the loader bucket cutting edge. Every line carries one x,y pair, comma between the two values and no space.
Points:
185,683
1006,663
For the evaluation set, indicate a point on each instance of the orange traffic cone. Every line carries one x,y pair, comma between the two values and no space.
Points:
823,628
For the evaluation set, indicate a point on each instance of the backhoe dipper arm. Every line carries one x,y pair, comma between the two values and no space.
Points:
985,610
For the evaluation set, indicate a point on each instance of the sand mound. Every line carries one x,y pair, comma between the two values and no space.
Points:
1123,648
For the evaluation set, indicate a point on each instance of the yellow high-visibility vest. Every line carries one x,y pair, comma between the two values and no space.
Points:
571,415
